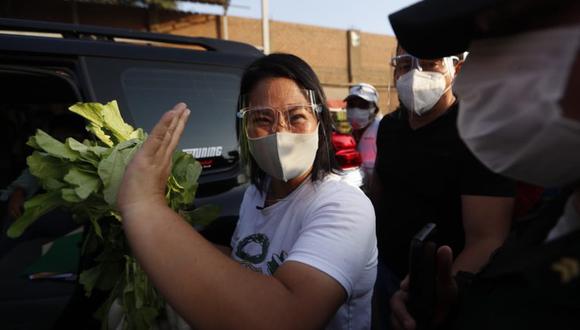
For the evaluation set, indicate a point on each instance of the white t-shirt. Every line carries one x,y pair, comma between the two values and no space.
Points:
328,225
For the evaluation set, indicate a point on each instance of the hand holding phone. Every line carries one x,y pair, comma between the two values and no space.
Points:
422,276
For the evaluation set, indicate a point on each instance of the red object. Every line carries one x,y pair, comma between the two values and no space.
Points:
346,154
343,141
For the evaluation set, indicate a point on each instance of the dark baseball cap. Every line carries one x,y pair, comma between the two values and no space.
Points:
438,28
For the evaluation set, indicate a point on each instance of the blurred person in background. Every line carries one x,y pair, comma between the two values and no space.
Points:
520,115
362,108
55,223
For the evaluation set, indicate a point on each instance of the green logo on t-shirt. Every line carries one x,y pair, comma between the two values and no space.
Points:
260,239
276,261
251,255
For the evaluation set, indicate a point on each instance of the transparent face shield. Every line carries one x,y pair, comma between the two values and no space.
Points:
405,63
261,119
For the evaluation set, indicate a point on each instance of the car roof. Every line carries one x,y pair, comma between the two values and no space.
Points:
74,39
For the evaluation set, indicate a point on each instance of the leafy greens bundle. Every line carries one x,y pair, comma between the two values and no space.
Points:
84,177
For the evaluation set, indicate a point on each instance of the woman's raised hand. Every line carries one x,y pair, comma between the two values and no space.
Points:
146,175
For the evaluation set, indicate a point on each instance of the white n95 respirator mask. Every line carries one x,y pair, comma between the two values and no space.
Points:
419,91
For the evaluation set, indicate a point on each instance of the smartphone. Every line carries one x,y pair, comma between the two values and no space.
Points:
422,275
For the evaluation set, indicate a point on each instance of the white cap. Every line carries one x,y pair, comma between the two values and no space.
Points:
364,91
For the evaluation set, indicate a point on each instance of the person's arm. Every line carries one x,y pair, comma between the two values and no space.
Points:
24,187
486,221
487,202
16,202
208,289
27,182
226,250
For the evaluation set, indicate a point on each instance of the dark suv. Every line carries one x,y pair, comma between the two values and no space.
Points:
44,67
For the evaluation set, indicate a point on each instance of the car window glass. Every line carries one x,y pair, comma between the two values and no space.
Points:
211,96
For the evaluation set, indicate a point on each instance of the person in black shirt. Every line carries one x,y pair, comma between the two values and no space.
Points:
520,116
425,173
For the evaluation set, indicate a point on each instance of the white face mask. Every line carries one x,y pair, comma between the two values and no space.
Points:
359,118
419,91
510,116
283,155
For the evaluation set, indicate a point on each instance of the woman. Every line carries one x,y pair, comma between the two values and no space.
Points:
306,240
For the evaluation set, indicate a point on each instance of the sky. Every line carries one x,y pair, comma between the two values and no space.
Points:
365,15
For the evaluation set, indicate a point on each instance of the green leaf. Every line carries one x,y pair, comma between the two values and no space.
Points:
75,145
32,143
34,208
85,183
96,226
69,195
84,151
46,167
89,278
54,147
203,215
183,183
50,184
100,134
104,276
144,318
105,121
112,168
138,134
99,151
190,184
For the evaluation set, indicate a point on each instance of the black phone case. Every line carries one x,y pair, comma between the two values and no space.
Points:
422,276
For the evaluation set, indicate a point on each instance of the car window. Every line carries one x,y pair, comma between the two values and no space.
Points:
146,89
211,96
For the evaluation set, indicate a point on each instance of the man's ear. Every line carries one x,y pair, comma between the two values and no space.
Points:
458,66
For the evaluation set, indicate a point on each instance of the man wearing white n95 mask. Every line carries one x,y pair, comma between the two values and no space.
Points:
425,173
424,85
520,115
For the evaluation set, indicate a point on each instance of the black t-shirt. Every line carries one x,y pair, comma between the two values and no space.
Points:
424,172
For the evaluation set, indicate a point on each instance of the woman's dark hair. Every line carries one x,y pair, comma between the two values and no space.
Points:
292,67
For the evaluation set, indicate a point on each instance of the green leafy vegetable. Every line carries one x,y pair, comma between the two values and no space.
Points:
84,177
35,207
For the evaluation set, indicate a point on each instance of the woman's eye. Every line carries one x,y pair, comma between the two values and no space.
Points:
299,113
261,118
299,117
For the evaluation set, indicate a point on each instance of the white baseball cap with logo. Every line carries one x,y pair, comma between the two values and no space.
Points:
365,91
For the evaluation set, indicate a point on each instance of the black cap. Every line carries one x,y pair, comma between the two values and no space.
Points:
438,28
